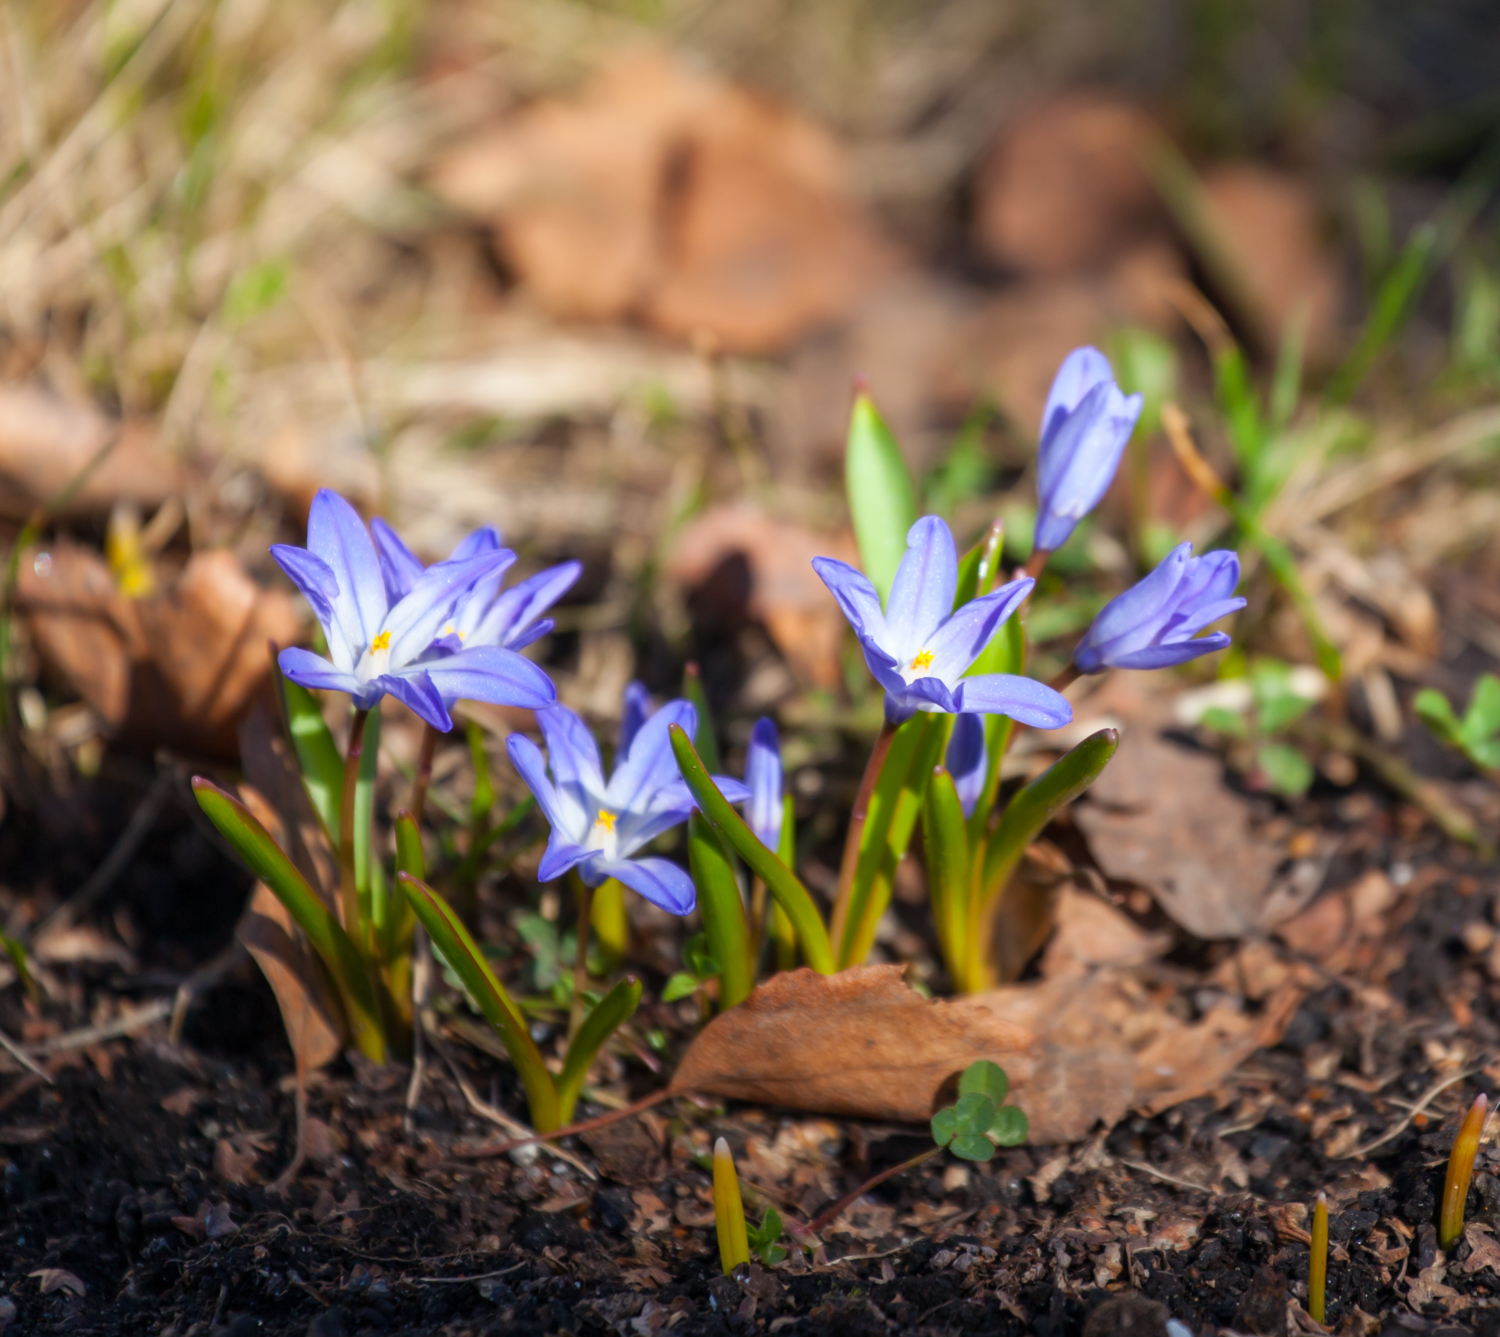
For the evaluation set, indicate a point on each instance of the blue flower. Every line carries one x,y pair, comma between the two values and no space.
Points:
486,615
920,648
597,825
1154,623
376,643
763,778
968,760
1085,426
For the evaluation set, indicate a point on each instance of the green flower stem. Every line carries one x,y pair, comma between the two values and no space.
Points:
780,881
348,885
857,819
423,777
722,910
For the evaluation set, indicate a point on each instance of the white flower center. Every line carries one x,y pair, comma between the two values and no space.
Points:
602,835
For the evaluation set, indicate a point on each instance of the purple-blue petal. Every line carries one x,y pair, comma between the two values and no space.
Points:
400,568
309,670
560,855
572,753
510,617
419,617
922,592
531,766
934,692
856,596
1168,656
484,539
649,764
660,881
319,586
419,694
1081,371
488,673
337,535
967,760
1079,462
1025,700
765,781
634,712
961,639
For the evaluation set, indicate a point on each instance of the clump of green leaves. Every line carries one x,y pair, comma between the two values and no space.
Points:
1277,700
1477,733
980,1120
699,967
764,1236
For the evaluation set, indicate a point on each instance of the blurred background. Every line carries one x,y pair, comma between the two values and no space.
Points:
605,275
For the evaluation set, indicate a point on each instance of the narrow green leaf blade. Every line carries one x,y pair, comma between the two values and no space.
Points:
1434,710
722,910
317,754
604,1019
1482,718
780,881
1289,772
946,843
253,843
364,814
882,501
460,951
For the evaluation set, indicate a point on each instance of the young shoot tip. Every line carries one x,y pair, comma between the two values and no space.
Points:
1460,1172
729,1211
1317,1266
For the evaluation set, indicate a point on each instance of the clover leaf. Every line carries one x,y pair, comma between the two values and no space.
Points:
977,1122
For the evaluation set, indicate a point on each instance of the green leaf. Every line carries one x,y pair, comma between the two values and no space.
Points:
1022,822
780,881
253,290
1010,1128
972,1147
722,911
1286,386
975,1112
1394,302
697,958
16,952
980,565
1289,772
946,841
986,1078
317,754
1006,653
764,1236
1228,722
945,1125
882,503
1482,718
679,986
1434,711
483,802
364,809
253,843
1276,704
1486,754
461,953
604,1019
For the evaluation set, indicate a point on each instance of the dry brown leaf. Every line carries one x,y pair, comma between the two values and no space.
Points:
82,943
1161,816
1484,1250
45,442
183,1101
177,668
863,1044
1340,926
58,1279
1090,932
1269,222
665,192
235,1156
1067,186
742,563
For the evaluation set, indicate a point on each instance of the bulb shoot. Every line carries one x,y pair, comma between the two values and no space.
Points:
1317,1267
729,1211
1460,1171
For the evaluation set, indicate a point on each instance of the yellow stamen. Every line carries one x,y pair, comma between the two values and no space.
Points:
381,642
923,660
605,819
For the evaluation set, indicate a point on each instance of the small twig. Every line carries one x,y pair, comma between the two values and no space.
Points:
201,980
22,1057
1431,1094
454,1281
139,1020
499,1117
586,1126
115,862
831,1214
1165,1177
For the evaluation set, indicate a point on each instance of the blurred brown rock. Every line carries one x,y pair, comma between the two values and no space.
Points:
175,669
666,194
1268,221
753,565
1066,189
47,441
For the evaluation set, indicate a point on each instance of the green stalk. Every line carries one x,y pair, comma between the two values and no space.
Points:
348,842
947,848
603,1020
722,910
780,881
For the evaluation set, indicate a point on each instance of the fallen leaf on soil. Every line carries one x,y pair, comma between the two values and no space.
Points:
664,192
1161,816
45,442
1067,187
1090,932
177,668
235,1156
1269,222
58,1279
741,563
184,1101
1429,1287
1484,1250
79,944
627,1152
1024,919
863,1044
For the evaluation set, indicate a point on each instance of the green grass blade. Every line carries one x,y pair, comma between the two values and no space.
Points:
780,881
459,950
253,843
317,754
604,1019
947,846
882,501
364,815
1022,821
722,910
